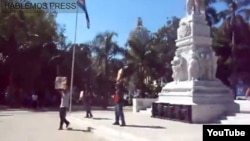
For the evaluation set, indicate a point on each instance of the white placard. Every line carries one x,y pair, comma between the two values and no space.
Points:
60,82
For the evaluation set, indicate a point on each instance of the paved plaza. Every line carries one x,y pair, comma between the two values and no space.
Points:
140,127
39,126
26,125
21,125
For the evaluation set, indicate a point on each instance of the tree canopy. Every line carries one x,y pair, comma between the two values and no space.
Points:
33,51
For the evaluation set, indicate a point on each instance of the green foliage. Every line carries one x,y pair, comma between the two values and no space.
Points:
222,42
151,59
27,64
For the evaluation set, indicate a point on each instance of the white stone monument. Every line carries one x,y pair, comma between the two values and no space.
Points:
194,67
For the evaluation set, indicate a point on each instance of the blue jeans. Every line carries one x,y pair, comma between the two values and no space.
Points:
119,113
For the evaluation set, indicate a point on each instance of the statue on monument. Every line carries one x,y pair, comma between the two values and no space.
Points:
178,68
193,67
139,22
194,6
214,66
203,68
184,29
208,68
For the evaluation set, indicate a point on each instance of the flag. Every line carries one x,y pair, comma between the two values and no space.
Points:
82,5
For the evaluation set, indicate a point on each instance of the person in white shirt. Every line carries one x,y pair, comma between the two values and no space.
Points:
63,109
34,98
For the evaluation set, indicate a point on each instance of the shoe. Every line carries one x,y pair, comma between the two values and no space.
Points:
60,128
116,123
86,117
123,124
67,125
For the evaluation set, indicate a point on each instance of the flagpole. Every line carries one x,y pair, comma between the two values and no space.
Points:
73,62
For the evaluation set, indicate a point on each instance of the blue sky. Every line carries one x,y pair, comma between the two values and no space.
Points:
120,16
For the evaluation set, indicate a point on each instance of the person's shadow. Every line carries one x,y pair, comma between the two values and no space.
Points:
5,115
101,118
145,126
89,129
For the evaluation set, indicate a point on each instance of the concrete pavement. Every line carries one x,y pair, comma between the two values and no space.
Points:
139,127
20,125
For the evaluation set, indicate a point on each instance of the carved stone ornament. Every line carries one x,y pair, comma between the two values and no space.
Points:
184,30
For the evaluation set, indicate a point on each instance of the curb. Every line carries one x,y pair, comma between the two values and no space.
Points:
106,132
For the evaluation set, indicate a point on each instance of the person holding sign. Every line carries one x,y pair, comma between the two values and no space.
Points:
61,86
63,108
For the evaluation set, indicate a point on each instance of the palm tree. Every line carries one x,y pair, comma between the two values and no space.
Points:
105,49
229,47
164,46
83,65
211,13
140,56
213,16
242,9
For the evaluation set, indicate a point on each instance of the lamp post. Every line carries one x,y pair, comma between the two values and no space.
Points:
233,7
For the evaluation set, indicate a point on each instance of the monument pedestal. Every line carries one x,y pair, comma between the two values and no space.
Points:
208,99
195,95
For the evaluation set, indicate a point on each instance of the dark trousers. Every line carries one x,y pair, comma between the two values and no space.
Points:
119,113
63,119
35,104
88,110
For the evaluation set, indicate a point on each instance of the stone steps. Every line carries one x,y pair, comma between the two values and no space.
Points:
244,105
147,111
238,118
243,117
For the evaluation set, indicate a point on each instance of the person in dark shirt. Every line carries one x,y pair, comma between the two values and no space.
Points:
87,98
119,102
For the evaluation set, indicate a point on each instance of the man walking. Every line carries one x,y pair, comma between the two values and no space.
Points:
88,102
63,109
87,97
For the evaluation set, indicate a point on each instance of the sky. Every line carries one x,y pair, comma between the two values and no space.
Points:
119,16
